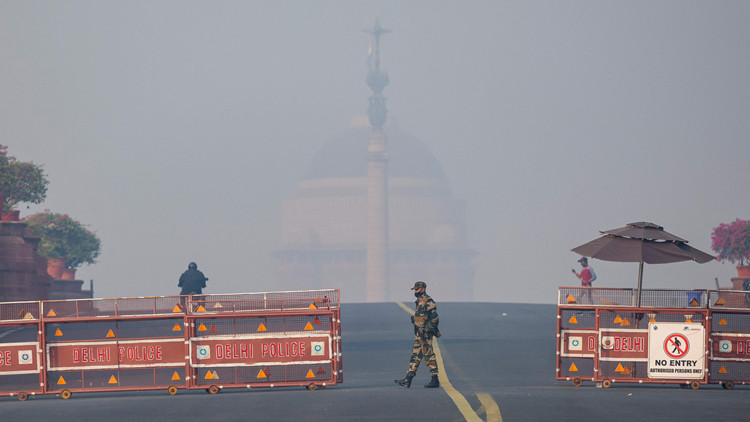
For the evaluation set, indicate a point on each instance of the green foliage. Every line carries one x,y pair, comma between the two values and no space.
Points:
20,181
64,237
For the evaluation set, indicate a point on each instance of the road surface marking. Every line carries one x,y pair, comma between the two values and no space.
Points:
491,407
459,400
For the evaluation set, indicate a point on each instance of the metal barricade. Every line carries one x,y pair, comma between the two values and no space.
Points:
171,342
604,338
729,343
577,343
287,339
20,352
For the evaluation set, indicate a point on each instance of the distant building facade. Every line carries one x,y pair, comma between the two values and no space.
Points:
324,226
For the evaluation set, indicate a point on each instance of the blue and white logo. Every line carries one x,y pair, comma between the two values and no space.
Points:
575,343
725,346
318,348
25,357
204,352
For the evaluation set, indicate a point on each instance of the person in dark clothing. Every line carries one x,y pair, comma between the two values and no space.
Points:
192,281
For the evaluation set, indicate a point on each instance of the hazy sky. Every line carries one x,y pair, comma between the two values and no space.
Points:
174,129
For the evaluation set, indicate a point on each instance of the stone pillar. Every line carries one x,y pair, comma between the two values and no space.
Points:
377,176
377,219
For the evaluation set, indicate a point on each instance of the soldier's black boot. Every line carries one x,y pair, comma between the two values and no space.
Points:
434,383
406,382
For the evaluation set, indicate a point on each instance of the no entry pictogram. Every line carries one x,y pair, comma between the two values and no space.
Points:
676,346
676,350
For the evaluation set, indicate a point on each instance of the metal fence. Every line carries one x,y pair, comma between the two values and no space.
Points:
15,311
611,297
690,337
247,340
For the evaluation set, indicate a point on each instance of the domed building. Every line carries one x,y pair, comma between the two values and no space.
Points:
325,226
374,214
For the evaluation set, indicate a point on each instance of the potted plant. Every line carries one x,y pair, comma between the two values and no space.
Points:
731,242
19,182
63,239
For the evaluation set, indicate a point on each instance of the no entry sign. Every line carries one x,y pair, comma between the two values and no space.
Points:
676,350
676,346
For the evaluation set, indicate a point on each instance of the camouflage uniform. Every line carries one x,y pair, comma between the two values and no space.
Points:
425,320
425,328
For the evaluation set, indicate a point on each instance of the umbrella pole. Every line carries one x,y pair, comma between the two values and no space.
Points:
640,283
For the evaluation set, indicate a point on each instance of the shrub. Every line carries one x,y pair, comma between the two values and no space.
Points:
732,241
64,237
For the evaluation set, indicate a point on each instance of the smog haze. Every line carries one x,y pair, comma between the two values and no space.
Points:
175,129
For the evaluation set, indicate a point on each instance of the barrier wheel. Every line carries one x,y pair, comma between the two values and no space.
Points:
65,394
577,382
22,396
728,385
311,386
695,385
606,383
213,389
172,390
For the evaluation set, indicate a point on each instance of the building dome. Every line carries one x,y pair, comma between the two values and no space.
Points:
345,154
324,228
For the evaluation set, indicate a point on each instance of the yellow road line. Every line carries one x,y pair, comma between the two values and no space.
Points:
491,407
460,401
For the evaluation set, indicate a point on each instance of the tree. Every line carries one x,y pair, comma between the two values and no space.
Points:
20,181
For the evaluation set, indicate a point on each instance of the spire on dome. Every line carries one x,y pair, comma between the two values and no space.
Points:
376,78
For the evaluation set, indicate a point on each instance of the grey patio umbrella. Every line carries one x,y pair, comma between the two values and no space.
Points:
641,242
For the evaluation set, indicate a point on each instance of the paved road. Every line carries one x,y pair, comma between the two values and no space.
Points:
493,354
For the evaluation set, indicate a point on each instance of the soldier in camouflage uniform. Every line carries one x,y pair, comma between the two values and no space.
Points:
425,322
